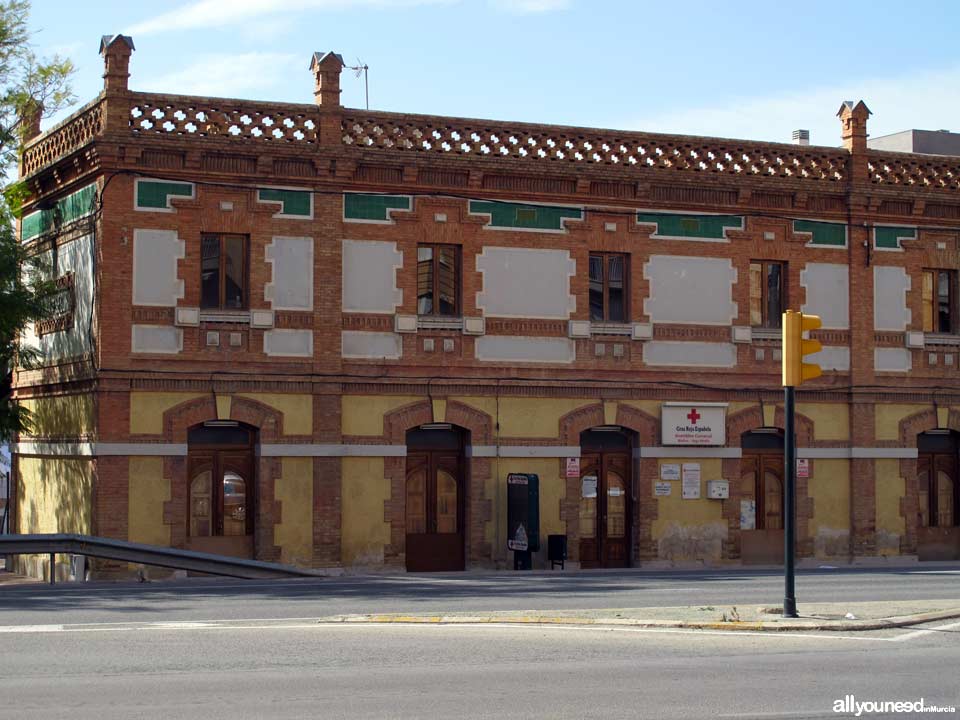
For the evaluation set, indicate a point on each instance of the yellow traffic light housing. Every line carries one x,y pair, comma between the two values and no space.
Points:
795,371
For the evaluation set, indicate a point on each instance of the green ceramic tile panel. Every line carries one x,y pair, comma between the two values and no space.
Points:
695,227
153,194
889,238
823,233
524,217
373,207
294,202
73,207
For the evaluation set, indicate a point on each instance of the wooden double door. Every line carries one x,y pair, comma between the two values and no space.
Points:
435,502
221,492
938,498
605,508
761,507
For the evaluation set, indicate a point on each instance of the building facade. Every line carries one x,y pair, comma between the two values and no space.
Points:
325,336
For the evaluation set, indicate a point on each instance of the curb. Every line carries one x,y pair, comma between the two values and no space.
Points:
759,625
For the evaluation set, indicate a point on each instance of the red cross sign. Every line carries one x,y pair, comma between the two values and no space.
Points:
693,416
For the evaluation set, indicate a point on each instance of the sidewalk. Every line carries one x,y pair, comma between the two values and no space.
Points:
813,616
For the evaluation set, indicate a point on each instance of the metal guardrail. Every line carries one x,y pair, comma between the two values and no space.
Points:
109,549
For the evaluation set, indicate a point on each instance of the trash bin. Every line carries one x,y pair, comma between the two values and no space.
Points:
556,550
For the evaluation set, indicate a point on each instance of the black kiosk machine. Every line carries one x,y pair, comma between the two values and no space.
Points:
523,518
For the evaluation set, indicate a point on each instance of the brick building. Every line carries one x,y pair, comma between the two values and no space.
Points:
324,336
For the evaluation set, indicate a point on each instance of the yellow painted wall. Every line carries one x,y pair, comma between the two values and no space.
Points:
147,409
148,491
294,490
829,486
890,489
55,495
297,410
831,420
364,530
690,529
887,419
66,416
363,415
535,417
484,404
650,407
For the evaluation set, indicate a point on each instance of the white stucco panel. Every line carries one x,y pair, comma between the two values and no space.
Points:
689,354
370,276
892,359
506,348
828,294
691,290
361,345
156,339
890,286
288,343
832,357
155,257
291,273
526,283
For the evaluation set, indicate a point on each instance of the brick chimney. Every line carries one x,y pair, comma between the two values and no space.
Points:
853,119
116,51
326,69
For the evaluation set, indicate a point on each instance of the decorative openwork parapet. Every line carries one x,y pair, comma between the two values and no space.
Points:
707,155
916,171
72,134
201,117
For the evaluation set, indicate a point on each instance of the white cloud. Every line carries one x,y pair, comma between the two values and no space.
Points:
225,75
225,13
924,100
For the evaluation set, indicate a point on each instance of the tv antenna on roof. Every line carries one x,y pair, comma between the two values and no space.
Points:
362,67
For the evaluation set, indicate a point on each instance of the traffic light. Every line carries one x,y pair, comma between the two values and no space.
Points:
795,371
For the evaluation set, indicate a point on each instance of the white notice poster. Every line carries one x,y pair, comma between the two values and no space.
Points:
691,481
589,486
670,471
748,515
662,489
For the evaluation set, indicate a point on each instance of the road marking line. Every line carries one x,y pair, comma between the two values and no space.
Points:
926,631
31,628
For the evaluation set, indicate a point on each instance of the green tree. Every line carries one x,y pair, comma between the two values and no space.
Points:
30,89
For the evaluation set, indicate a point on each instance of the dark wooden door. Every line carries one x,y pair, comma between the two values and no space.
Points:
761,531
220,501
434,511
605,509
938,503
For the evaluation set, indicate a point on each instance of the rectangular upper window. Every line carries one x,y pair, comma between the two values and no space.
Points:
939,301
223,272
609,273
438,280
768,293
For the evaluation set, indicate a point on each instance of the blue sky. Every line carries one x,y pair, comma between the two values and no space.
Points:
728,68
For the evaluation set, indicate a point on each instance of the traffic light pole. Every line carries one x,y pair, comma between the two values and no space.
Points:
789,504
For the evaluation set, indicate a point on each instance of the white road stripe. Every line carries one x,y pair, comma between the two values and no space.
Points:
926,631
31,628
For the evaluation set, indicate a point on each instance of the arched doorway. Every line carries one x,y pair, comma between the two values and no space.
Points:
221,486
435,498
761,496
606,491
938,496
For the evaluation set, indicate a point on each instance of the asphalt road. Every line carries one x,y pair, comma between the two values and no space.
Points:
306,670
220,599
